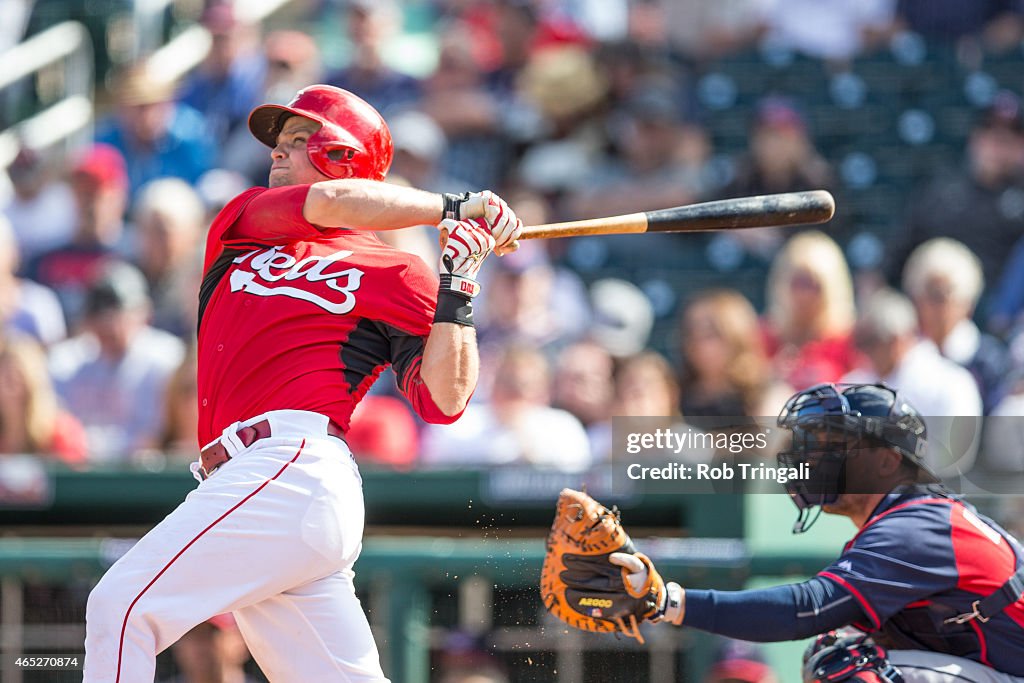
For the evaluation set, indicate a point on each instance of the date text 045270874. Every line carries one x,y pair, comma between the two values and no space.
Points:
46,662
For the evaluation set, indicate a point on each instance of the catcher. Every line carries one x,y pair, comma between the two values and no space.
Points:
927,591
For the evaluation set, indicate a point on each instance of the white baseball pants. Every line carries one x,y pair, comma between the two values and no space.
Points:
271,536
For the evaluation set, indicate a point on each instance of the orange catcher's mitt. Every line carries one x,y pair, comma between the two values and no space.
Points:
581,586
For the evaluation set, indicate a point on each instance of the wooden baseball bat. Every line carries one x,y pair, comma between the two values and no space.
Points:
790,208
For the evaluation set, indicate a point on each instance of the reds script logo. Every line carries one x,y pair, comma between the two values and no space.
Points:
272,266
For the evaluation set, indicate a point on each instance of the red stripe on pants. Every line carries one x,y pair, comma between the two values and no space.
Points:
124,624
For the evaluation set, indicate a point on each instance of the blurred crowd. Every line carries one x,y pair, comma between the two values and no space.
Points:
569,109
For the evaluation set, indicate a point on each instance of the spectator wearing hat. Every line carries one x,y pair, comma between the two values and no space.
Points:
113,374
157,136
661,162
981,204
228,84
99,183
568,90
944,280
42,208
370,24
782,156
26,307
212,652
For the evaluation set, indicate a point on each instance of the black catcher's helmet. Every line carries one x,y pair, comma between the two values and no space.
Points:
829,420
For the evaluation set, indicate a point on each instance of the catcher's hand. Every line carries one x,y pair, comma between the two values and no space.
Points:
581,586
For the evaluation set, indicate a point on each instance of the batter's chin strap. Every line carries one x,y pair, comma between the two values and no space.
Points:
1004,596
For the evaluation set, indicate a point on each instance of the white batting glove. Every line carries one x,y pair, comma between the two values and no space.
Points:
634,572
464,246
503,223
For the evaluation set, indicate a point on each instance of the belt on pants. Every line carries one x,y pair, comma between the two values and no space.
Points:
216,454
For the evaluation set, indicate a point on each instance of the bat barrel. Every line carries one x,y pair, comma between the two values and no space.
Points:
790,208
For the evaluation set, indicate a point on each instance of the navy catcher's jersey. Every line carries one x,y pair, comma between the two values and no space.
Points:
924,557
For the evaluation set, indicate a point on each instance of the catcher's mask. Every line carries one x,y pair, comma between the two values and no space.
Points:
832,422
353,140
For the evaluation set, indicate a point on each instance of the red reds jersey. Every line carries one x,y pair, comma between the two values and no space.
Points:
294,317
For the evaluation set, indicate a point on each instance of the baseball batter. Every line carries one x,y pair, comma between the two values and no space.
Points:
939,587
301,309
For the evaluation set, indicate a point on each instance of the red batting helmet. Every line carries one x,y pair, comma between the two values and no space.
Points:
353,140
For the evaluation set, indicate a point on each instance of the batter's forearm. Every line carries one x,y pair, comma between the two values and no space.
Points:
370,205
450,366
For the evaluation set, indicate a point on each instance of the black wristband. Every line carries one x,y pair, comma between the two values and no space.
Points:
453,308
452,205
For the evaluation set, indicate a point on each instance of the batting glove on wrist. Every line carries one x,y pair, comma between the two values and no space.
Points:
464,246
503,223
636,573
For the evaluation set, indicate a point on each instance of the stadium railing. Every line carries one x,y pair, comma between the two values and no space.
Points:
447,552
